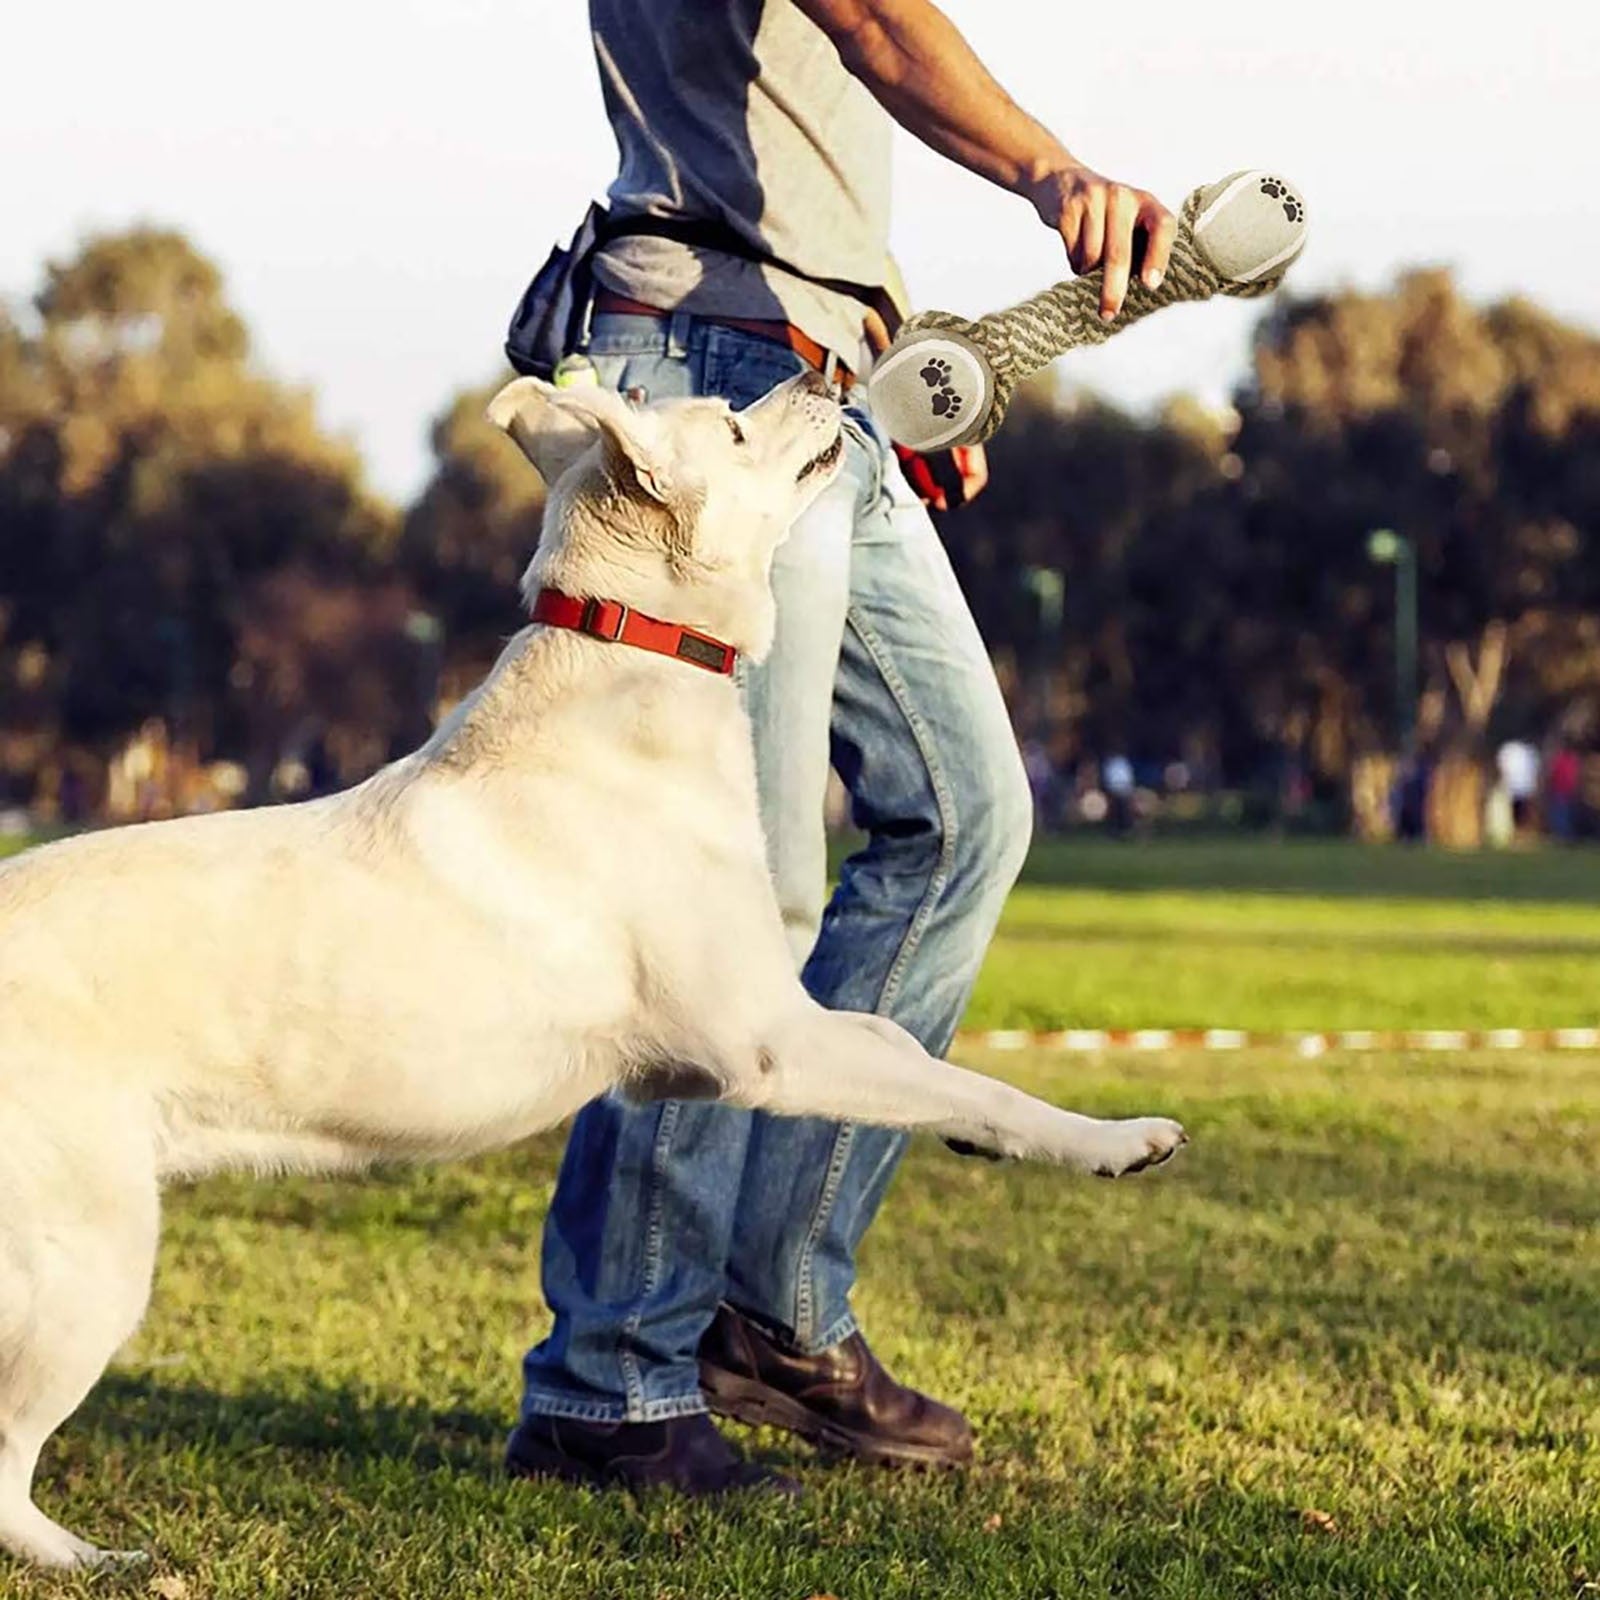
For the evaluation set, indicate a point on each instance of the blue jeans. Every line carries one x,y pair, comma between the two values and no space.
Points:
663,1211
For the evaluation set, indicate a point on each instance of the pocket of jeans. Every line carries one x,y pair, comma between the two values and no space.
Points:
644,376
741,367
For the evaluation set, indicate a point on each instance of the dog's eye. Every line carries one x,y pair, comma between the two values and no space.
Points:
735,430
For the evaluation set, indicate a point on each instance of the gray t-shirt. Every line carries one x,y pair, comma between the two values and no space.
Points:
740,111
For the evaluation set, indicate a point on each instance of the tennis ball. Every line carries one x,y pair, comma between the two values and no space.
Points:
1249,224
932,390
575,372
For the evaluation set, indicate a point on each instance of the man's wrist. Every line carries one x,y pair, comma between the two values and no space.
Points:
1047,183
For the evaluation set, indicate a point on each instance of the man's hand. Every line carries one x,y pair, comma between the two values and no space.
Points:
1109,225
968,464
972,462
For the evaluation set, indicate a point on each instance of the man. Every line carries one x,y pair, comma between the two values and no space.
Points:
692,1250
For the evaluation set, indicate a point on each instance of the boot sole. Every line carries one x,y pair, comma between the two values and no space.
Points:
750,1401
535,1461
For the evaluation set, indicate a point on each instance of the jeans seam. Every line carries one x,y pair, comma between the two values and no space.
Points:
632,1380
805,1300
862,435
916,925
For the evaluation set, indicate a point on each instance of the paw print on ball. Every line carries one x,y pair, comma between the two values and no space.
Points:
1277,189
945,401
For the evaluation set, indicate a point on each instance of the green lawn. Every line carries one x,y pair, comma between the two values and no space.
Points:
1348,1344
1286,935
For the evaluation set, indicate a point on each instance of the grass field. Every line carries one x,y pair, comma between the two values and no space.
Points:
1349,1344
1295,935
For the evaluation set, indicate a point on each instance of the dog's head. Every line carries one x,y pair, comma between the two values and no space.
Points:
674,509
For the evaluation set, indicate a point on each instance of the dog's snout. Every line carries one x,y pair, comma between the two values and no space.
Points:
812,382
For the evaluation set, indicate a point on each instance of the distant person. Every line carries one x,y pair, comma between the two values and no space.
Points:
1518,766
1294,789
1116,776
322,774
74,797
1041,773
1562,783
1411,788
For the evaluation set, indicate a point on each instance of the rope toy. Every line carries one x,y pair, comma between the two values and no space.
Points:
946,381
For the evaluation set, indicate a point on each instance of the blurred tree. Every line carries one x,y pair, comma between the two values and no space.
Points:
469,537
149,474
1219,599
1472,430
1110,506
180,539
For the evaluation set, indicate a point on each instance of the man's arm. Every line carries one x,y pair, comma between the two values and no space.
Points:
926,76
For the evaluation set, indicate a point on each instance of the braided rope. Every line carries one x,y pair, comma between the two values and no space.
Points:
1026,338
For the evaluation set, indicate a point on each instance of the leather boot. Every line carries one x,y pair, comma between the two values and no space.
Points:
686,1454
842,1400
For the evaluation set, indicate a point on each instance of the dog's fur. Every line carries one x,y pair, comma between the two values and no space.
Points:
562,893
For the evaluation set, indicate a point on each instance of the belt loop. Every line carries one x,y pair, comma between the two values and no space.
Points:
678,328
830,368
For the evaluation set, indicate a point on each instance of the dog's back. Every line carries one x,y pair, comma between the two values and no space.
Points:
94,930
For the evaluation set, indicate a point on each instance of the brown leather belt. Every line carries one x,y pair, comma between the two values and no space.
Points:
785,333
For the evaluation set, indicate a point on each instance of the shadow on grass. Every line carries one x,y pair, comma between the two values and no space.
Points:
309,1418
1117,1523
500,1196
1339,868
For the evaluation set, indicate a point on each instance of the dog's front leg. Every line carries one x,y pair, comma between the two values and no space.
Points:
860,1068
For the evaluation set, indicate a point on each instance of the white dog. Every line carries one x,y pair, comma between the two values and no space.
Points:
563,892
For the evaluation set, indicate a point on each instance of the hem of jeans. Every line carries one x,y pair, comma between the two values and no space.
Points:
835,1333
547,1403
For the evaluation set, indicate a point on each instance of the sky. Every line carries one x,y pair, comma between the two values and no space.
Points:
377,181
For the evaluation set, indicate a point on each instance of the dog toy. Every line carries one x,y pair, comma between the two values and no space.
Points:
946,381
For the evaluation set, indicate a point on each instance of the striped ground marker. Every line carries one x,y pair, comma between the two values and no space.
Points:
1094,1041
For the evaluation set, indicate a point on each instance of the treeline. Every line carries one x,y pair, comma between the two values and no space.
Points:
1217,598
182,546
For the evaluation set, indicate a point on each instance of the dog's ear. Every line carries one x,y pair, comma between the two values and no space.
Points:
552,437
553,427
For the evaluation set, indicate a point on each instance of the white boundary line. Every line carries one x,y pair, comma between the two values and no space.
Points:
1152,1041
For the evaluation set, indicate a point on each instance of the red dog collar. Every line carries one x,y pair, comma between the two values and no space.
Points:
614,623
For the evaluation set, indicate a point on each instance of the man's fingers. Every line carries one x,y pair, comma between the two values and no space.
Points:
1092,230
1122,213
1160,229
972,462
1072,231
1120,230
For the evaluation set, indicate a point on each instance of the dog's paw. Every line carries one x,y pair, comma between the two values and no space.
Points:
1138,1143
